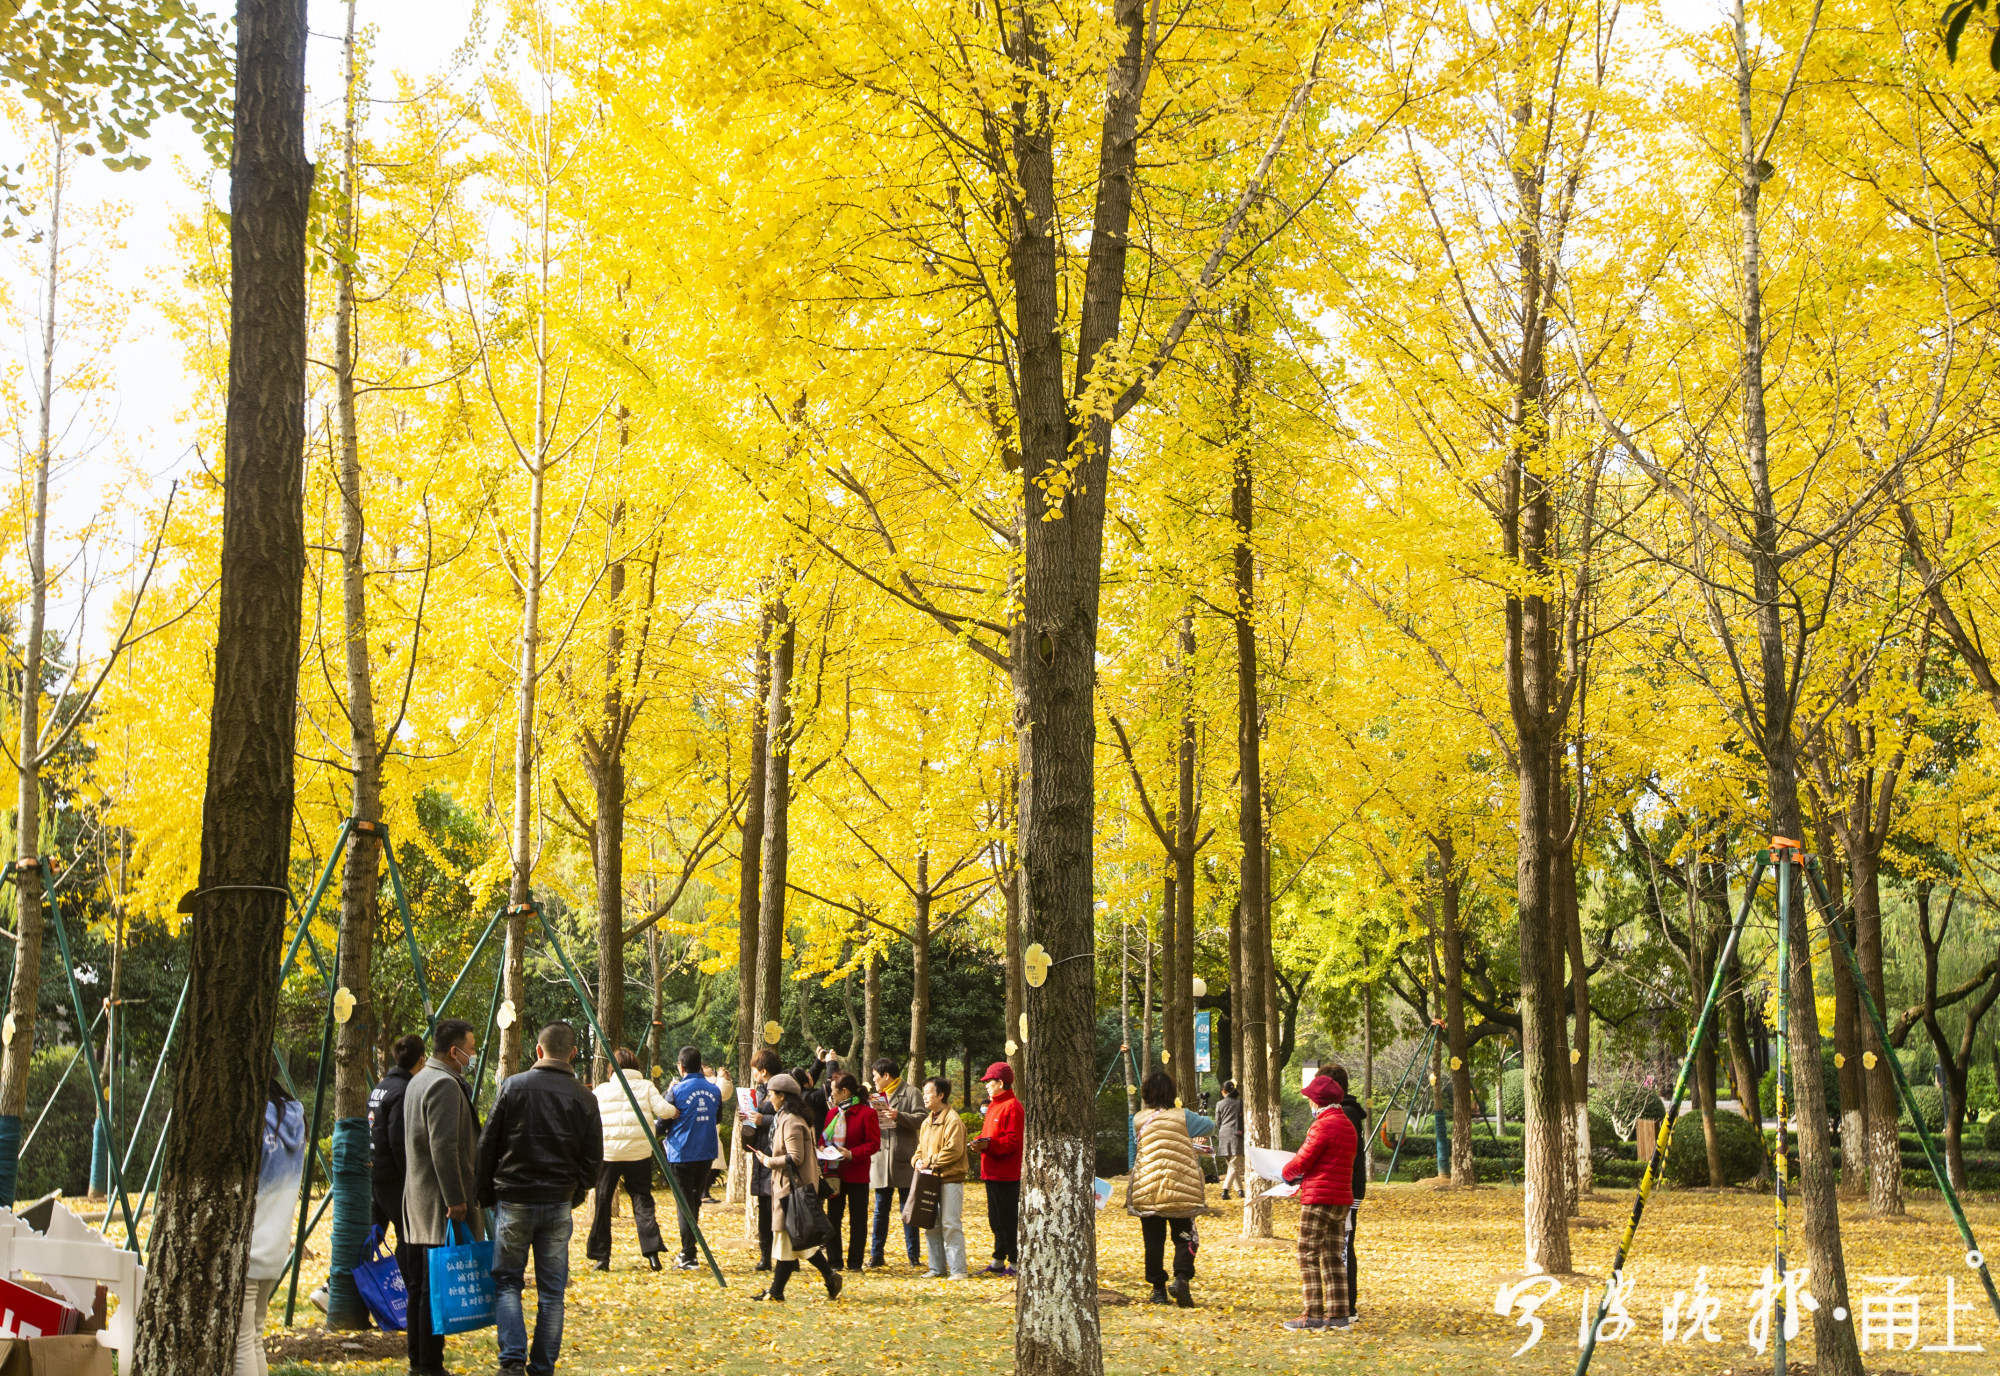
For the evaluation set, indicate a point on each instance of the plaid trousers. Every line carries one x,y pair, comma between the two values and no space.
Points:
1323,1259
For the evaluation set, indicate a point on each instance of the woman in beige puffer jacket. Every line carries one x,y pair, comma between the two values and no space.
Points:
1167,1188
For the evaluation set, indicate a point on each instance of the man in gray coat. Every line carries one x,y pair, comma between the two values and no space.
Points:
441,1135
900,1109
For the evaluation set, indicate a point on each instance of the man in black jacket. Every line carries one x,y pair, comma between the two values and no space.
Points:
388,1159
1358,1115
538,1158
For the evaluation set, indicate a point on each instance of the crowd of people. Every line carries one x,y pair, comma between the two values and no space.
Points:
860,1156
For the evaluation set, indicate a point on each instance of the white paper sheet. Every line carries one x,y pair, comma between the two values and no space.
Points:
1279,1192
1269,1163
746,1100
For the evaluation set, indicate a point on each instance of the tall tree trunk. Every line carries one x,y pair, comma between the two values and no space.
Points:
25,990
920,975
1463,1171
750,858
194,1290
1838,1354
604,760
1146,985
1885,1145
1251,1002
1579,986
777,840
353,1052
1847,1046
871,1017
1177,941
1010,891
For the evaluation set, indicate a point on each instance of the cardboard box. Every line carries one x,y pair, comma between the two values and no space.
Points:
77,1355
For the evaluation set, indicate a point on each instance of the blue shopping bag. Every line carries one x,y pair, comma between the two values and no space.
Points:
462,1290
380,1282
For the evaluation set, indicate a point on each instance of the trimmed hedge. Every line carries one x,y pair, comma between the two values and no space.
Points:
1930,1102
1741,1147
1767,1088
1627,1101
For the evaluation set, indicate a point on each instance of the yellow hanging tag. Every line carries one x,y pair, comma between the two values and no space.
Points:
1839,1061
343,1004
505,1017
1457,1064
1024,1029
1868,1059
1035,963
773,1033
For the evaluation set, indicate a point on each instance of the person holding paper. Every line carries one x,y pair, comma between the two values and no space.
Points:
1323,1170
899,1109
754,1132
792,1164
1167,1189
853,1137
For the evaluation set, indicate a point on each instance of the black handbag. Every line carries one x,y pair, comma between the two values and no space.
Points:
806,1222
920,1209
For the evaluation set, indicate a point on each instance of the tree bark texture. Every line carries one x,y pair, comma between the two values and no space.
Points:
749,863
920,975
194,1293
1253,1002
1854,1143
1065,459
768,983
24,991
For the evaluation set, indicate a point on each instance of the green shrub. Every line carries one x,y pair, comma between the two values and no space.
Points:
1513,1097
1624,1102
1990,1138
1602,1134
1767,1088
1741,1147
1930,1103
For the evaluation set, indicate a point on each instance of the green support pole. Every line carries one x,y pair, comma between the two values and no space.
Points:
409,927
146,1104
477,947
1394,1095
1779,1314
1665,1143
61,1080
89,1051
486,1042
1951,1200
1422,1056
659,1154
312,906
152,1178
312,1135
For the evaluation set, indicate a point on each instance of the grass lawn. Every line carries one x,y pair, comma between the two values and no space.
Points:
1431,1262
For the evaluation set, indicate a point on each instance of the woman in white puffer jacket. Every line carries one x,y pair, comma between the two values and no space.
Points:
628,1159
282,1162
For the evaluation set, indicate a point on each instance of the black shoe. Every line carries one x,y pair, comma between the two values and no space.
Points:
854,1270
1179,1290
834,1285
766,1295
595,1266
876,1264
686,1264
653,1260
1159,1296
514,1369
763,1266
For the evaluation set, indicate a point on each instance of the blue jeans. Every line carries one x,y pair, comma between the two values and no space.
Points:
888,1200
546,1229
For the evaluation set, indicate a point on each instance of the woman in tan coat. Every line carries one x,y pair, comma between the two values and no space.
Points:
941,1152
1167,1189
793,1165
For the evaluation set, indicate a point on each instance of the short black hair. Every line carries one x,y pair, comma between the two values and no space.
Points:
843,1080
804,1075
1336,1073
941,1085
558,1039
884,1066
767,1060
408,1051
448,1034
1158,1091
1229,1088
690,1059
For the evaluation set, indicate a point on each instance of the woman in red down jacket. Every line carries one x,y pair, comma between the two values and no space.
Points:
852,1126
999,1148
1324,1173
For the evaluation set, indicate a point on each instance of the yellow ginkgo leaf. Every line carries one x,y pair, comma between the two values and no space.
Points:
1035,963
773,1033
343,1004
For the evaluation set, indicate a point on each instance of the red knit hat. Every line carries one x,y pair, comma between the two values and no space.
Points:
1324,1090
